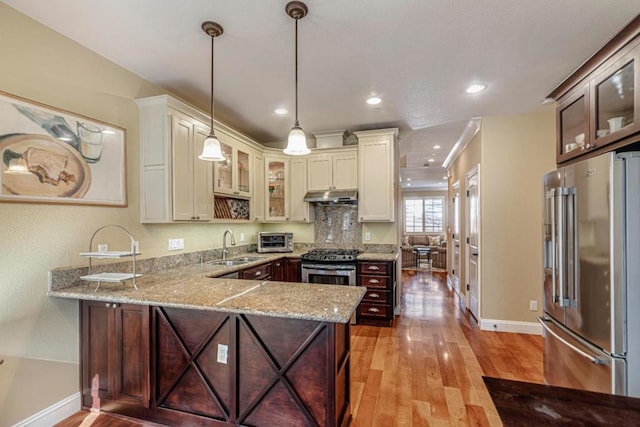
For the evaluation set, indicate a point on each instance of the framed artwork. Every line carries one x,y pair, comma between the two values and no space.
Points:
49,155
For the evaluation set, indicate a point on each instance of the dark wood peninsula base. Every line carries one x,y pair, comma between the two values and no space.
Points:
165,365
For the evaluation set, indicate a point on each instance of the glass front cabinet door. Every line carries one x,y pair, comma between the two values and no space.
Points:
572,122
277,174
615,112
232,176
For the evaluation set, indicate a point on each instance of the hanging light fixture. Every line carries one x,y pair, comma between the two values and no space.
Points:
297,141
211,151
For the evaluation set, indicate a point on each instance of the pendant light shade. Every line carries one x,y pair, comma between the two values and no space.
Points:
297,141
211,150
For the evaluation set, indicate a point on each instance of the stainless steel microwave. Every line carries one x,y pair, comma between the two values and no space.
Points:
275,242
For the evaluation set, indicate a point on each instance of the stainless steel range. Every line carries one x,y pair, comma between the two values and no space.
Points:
330,266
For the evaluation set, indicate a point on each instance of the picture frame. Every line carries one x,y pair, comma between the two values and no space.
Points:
50,155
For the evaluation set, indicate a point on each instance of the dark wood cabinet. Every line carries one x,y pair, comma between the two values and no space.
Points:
178,366
278,270
293,270
598,106
115,353
377,306
260,272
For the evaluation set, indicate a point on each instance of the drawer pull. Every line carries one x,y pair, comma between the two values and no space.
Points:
258,273
374,310
374,281
108,305
374,295
374,267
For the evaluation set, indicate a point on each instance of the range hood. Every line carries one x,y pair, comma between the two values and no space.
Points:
332,196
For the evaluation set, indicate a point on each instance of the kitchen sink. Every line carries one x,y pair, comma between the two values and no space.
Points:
235,261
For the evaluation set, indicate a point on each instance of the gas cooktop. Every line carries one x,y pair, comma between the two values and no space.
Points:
340,255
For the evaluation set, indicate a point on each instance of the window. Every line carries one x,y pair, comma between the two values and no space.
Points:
424,214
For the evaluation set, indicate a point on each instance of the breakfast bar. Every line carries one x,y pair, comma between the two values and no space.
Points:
190,349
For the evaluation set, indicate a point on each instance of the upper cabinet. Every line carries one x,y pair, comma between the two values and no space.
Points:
376,175
258,199
233,176
598,106
277,184
333,170
174,184
301,211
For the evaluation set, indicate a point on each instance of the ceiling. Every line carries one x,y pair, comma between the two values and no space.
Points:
417,55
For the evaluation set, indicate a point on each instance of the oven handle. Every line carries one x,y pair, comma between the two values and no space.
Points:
329,267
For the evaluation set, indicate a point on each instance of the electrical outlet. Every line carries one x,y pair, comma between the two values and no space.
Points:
223,353
103,247
533,305
135,247
367,236
176,244
242,237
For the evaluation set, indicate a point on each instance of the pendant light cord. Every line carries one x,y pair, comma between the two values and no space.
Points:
296,56
211,130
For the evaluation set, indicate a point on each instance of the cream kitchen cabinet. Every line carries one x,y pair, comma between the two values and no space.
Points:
277,186
376,175
174,184
233,176
334,170
258,198
301,211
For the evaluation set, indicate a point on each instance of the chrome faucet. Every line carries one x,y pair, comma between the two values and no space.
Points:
224,243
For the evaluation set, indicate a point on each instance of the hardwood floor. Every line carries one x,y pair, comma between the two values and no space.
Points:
424,371
427,369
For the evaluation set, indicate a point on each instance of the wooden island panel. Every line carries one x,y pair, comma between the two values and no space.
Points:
279,371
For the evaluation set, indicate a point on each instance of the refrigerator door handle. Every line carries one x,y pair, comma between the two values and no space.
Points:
573,283
554,270
561,193
594,359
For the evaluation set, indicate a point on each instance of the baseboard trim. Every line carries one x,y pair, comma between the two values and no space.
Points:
531,328
53,414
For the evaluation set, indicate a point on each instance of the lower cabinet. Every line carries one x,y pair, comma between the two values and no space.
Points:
377,305
278,270
210,368
115,354
293,270
260,272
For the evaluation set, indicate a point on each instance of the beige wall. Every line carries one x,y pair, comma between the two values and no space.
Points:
44,66
514,153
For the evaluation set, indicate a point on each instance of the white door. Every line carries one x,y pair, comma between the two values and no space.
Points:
455,265
473,241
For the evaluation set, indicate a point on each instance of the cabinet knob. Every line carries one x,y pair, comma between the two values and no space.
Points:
374,295
108,305
197,217
258,273
236,192
374,267
304,219
374,310
374,281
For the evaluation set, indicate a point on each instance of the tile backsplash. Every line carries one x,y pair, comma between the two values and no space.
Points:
337,226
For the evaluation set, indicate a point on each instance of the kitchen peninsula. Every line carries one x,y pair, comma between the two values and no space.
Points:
190,348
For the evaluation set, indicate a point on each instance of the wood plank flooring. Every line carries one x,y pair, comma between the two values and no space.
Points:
424,371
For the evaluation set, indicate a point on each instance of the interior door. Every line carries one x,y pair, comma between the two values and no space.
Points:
455,265
473,252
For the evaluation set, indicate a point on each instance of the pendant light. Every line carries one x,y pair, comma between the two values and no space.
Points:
297,141
211,151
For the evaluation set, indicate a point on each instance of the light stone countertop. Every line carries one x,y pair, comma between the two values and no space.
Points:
192,287
375,256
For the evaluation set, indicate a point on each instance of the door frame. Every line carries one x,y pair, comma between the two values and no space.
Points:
456,210
475,170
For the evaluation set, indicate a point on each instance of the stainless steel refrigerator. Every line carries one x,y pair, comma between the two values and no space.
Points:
591,320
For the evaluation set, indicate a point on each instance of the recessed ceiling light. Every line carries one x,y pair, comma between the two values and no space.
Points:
281,111
374,100
409,185
476,87
408,179
444,177
436,147
431,160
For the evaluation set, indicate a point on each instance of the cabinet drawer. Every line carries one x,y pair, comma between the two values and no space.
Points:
374,282
373,310
377,296
370,267
257,273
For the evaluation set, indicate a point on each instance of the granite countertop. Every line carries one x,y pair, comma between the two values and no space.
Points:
374,256
195,287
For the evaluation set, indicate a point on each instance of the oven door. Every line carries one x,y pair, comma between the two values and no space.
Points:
329,274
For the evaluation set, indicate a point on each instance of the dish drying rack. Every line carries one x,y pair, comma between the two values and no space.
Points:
107,276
